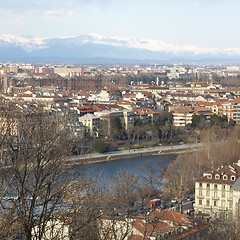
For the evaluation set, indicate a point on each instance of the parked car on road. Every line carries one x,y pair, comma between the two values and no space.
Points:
189,198
174,200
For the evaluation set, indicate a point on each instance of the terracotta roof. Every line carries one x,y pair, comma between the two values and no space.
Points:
144,111
180,109
152,229
234,88
189,232
176,217
101,107
158,223
236,100
233,170
201,109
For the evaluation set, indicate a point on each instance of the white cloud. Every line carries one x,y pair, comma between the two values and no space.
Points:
12,20
97,8
172,10
58,14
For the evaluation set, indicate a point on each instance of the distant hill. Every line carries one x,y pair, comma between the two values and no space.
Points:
95,48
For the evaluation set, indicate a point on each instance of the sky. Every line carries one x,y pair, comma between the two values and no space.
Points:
203,23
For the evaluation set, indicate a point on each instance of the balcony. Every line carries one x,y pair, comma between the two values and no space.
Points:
215,198
200,197
223,208
207,207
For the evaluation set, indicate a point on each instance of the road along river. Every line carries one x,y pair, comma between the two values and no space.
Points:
131,153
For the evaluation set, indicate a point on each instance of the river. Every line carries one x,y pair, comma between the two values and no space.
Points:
104,171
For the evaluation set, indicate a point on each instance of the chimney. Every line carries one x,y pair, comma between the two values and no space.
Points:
238,163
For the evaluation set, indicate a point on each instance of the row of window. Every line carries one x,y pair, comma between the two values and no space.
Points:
215,194
215,186
215,203
225,177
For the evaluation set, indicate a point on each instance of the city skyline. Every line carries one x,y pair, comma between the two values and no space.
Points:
184,23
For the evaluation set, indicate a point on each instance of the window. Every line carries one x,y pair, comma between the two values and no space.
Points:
200,185
208,185
215,203
200,202
233,178
200,193
223,187
230,204
223,204
208,193
217,176
208,203
225,177
209,176
215,186
223,194
215,194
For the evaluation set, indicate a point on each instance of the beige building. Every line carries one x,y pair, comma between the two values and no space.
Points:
68,71
215,192
91,124
54,229
102,122
128,119
147,115
108,119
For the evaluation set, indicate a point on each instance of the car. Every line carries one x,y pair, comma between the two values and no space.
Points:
174,200
170,205
189,198
164,206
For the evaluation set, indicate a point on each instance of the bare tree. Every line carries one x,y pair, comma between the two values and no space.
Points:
221,228
124,189
35,171
151,181
88,202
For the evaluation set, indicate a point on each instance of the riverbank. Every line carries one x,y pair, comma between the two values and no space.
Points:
124,154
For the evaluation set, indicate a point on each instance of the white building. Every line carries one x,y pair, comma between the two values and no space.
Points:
218,192
54,229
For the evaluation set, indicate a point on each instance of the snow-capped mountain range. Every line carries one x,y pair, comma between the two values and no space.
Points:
95,46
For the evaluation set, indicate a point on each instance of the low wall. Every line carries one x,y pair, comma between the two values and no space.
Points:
110,157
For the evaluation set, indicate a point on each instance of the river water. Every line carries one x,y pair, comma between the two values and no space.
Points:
105,171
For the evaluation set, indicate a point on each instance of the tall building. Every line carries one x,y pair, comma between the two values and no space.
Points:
231,109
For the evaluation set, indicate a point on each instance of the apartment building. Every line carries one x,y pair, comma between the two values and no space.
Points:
147,115
216,191
129,119
231,109
181,115
91,124
215,106
109,120
68,71
44,70
184,115
204,111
